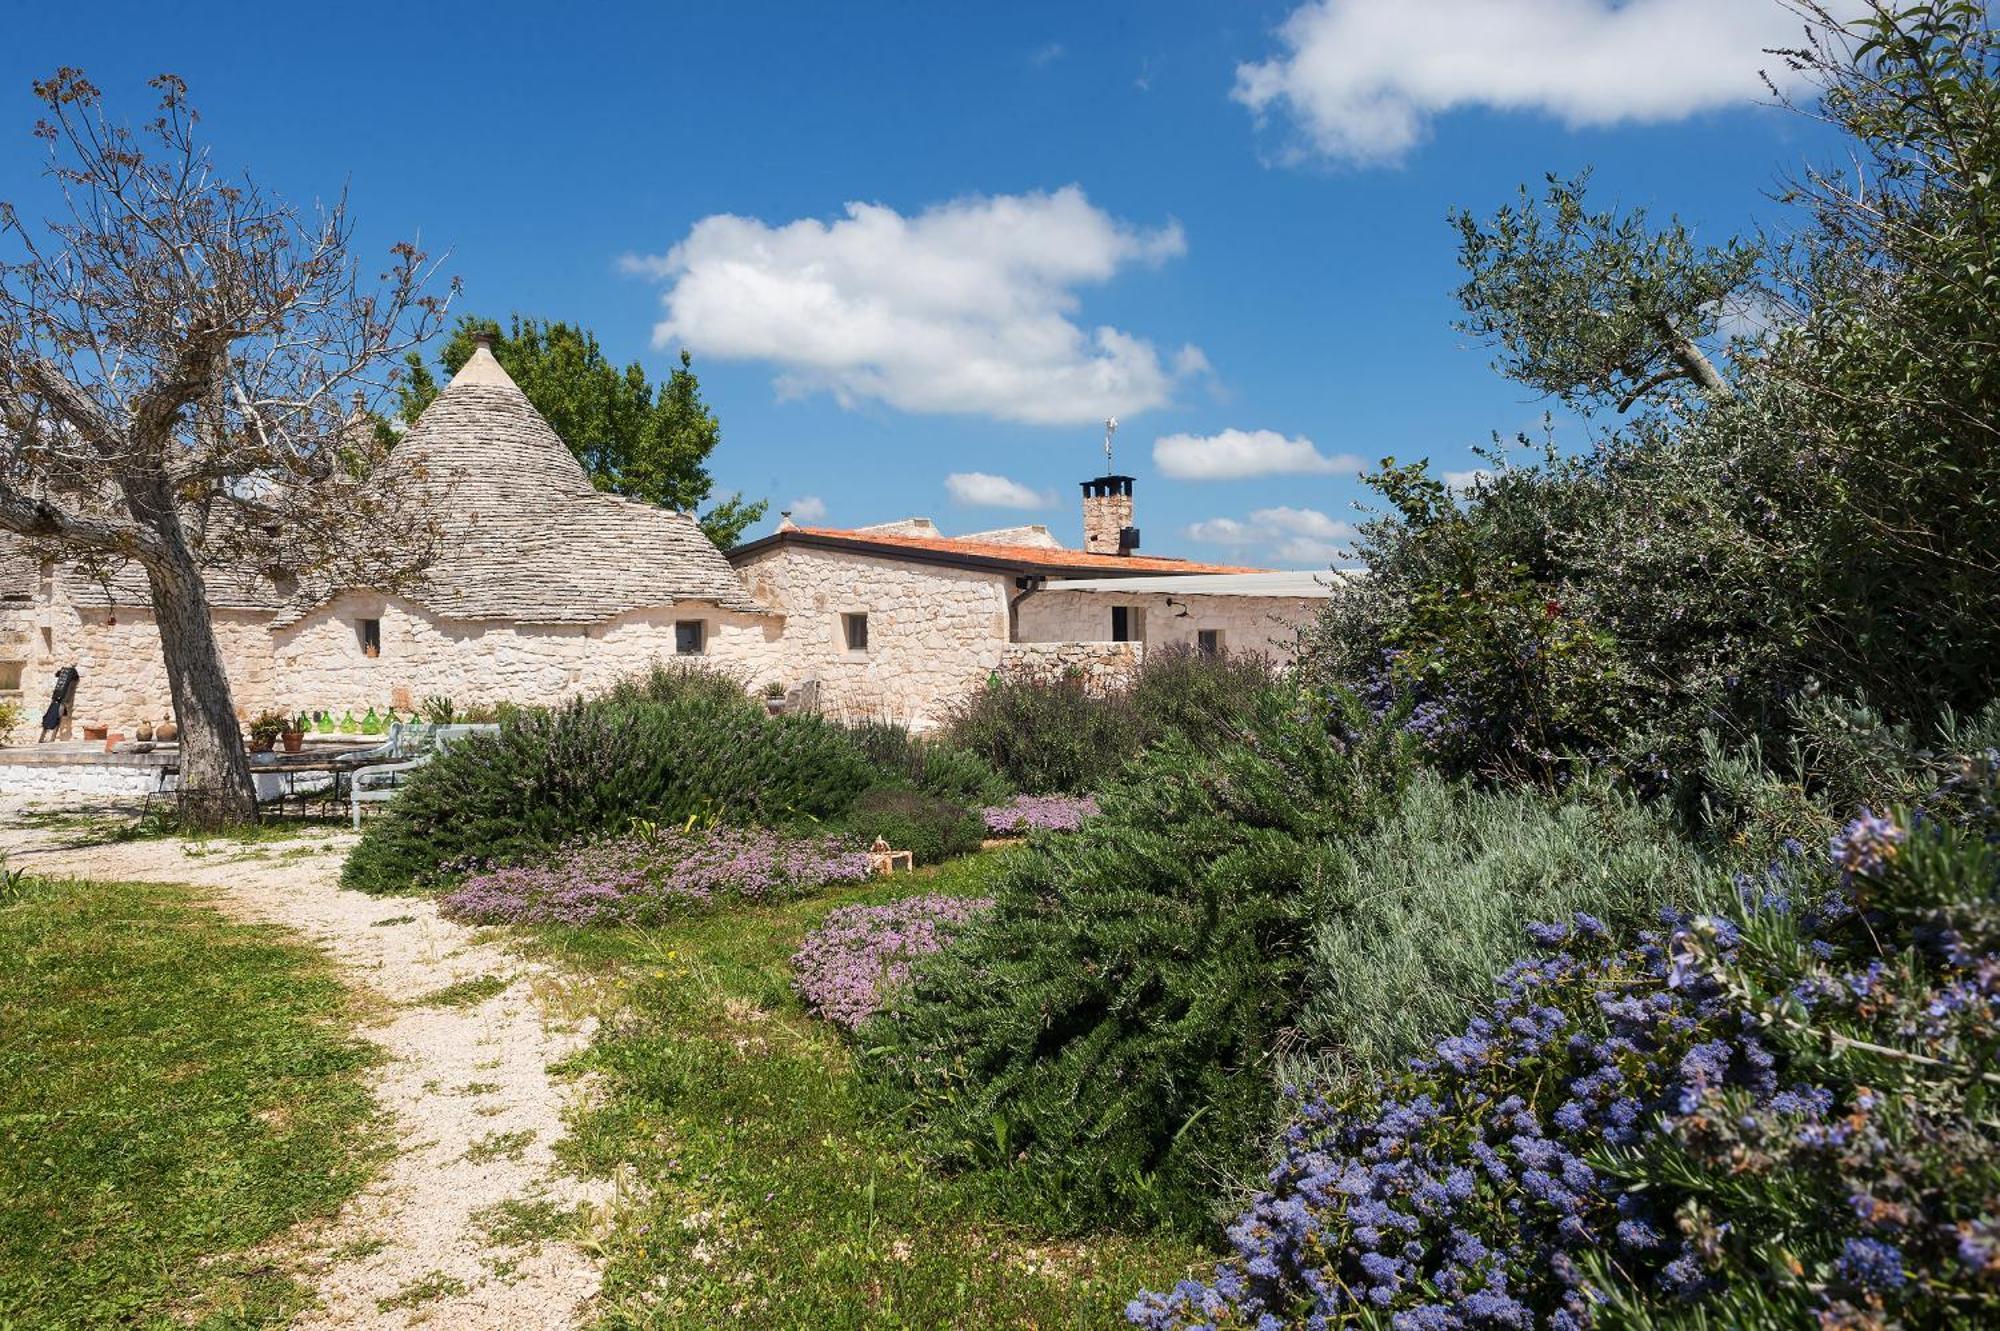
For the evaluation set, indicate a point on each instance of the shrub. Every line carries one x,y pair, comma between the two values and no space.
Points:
647,876
1039,813
1774,1117
1103,1037
848,966
547,778
1206,696
931,765
676,680
1423,909
1047,734
932,830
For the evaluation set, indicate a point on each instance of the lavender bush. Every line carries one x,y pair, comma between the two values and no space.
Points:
1039,813
847,966
1777,1118
640,878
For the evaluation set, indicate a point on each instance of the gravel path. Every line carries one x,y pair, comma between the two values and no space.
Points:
474,1109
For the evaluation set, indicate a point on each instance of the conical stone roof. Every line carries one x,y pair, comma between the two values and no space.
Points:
524,536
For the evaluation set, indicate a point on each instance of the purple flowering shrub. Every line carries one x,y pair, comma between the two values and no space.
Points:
1778,1117
847,967
1039,813
642,878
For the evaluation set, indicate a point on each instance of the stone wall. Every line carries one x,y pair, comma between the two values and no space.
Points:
934,632
1101,665
65,783
323,667
318,663
1266,624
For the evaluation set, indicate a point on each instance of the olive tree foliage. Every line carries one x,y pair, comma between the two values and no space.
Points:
1593,307
1829,519
178,354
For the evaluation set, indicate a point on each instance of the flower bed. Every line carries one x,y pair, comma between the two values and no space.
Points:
637,879
848,965
1039,813
1772,1120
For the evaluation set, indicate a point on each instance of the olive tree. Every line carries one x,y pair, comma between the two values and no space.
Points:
178,352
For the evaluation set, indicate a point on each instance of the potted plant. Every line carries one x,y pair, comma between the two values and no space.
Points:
774,696
293,736
264,731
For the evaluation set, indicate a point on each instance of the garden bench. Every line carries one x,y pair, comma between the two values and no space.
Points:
410,746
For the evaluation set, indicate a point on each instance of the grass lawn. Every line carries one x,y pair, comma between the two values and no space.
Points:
175,1089
768,1198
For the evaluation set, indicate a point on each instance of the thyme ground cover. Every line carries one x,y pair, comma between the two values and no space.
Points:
848,966
1039,813
643,878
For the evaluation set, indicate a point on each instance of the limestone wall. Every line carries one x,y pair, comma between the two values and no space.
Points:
318,663
1101,665
1267,624
322,666
124,677
934,632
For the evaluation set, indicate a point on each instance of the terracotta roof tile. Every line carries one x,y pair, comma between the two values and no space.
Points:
1029,558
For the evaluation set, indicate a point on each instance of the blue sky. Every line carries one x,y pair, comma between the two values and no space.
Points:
915,242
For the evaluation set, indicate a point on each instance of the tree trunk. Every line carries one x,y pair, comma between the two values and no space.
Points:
216,787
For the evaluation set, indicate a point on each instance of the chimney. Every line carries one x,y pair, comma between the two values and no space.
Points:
482,340
1107,516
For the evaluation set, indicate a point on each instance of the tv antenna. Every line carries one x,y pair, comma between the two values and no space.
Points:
1110,428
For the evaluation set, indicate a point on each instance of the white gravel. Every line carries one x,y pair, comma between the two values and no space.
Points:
456,1077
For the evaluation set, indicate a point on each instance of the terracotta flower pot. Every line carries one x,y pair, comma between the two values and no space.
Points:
112,741
294,740
262,744
96,732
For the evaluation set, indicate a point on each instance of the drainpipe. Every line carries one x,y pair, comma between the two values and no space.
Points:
1029,585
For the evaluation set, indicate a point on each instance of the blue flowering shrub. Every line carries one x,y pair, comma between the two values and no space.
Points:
1777,1114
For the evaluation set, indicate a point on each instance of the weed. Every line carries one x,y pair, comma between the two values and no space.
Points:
499,1146
429,1289
465,993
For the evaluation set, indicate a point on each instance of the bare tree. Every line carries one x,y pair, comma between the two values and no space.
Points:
177,352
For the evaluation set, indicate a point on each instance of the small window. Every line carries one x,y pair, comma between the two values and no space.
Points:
1128,623
1209,641
369,633
855,627
690,637
10,676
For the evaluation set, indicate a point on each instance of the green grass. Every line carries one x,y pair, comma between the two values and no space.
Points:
768,1197
175,1090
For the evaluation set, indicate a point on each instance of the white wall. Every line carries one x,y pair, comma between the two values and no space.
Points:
1266,624
934,632
321,665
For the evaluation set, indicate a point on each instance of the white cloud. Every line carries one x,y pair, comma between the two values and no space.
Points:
807,508
985,490
1285,535
967,307
1361,80
1237,453
1465,480
1047,55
